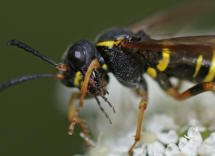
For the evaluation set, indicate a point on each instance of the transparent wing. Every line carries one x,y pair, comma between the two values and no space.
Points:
173,20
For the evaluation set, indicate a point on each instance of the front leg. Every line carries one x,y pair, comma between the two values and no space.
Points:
75,119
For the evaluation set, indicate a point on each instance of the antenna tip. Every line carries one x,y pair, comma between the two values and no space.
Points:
12,42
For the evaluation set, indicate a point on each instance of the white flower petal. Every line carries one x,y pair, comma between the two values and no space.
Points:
158,123
148,137
182,143
172,149
193,122
167,138
208,146
100,150
191,143
156,149
194,135
141,151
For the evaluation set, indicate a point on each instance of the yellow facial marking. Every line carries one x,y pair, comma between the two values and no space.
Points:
77,79
163,63
108,44
211,72
104,66
151,72
198,65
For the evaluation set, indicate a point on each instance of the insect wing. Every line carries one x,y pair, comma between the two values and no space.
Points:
190,44
174,20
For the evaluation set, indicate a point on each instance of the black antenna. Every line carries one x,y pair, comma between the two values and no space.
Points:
25,78
27,48
109,103
102,109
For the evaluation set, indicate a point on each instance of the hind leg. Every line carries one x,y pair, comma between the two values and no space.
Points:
195,90
199,88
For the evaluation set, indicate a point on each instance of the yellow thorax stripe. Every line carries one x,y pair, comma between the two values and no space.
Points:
77,79
198,65
108,44
163,63
151,72
211,72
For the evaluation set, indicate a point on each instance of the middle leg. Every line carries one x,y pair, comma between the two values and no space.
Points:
142,91
142,108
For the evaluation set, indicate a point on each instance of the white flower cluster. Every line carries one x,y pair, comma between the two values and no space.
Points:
161,138
170,128
166,140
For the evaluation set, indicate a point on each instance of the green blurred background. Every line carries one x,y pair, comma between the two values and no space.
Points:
30,123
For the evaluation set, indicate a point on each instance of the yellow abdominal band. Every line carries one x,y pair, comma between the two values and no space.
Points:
211,72
198,65
163,63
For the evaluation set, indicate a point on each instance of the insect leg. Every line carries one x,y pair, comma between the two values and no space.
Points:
73,120
71,111
197,89
73,115
85,131
142,91
93,65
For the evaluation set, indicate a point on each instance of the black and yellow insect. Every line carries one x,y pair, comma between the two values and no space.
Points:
128,53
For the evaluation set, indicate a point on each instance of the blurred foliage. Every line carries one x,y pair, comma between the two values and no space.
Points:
30,121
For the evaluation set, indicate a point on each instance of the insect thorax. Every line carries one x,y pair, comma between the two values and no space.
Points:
124,66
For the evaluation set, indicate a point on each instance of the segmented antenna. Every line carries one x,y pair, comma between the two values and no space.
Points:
25,78
109,103
102,109
27,48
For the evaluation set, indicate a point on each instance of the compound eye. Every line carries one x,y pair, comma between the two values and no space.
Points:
77,56
80,55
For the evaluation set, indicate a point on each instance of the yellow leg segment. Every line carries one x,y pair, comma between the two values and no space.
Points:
71,111
73,114
142,108
73,120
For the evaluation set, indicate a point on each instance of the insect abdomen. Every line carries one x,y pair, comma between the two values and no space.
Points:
198,67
